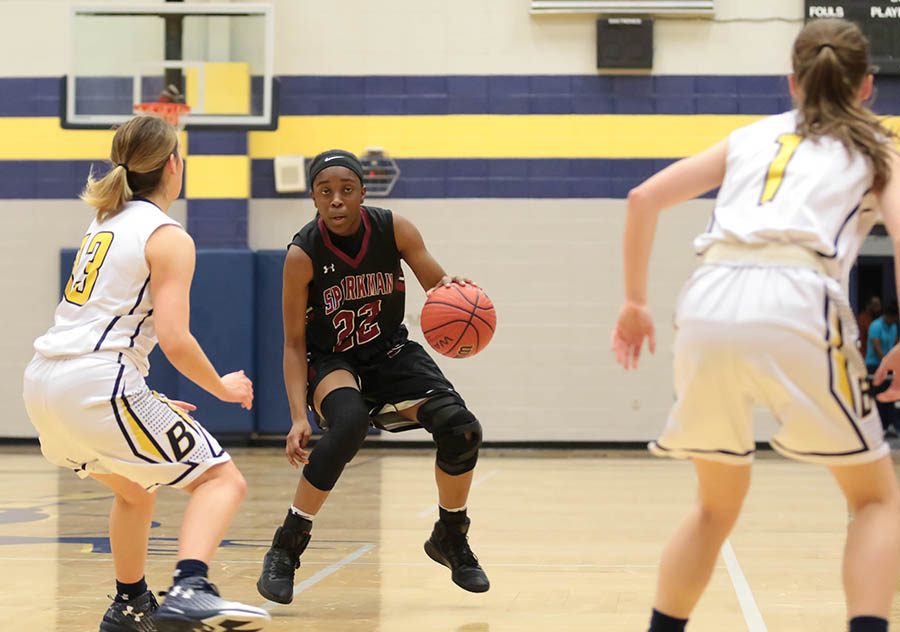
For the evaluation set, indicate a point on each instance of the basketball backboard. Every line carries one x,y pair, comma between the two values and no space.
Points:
219,57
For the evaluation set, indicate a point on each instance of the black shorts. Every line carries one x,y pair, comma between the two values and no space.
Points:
389,371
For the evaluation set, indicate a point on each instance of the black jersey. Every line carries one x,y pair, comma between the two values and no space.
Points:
353,300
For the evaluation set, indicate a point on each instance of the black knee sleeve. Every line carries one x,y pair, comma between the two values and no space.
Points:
455,430
347,418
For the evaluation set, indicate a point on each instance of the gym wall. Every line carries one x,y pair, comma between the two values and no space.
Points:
515,153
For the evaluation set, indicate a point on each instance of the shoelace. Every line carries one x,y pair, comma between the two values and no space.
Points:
459,552
152,603
283,564
206,586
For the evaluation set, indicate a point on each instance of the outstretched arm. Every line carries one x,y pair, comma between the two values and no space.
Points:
170,255
682,181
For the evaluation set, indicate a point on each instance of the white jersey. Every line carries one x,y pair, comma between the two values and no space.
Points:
781,188
106,305
766,320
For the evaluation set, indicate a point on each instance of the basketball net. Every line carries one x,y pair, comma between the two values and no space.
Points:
171,112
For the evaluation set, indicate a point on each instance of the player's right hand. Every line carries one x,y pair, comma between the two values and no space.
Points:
295,444
889,363
238,389
634,325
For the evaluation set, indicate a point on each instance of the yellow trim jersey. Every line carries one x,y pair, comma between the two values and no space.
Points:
781,188
106,305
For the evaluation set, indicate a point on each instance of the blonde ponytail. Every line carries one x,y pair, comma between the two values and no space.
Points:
140,150
108,194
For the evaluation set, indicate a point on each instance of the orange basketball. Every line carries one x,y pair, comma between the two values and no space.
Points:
458,320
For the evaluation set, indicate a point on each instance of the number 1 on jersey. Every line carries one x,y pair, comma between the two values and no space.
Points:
787,145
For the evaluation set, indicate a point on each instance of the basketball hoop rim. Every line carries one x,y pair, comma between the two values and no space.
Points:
171,112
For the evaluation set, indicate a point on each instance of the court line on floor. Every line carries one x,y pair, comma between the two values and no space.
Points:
478,481
751,612
324,573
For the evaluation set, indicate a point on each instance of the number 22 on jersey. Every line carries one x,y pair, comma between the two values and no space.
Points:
86,268
787,146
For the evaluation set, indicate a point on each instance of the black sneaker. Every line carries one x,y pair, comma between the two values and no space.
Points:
133,615
276,582
194,605
449,545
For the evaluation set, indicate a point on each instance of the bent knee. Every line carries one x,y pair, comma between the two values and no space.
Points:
226,475
719,516
136,496
456,431
888,502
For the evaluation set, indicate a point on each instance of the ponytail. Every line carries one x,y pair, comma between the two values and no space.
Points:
140,150
831,61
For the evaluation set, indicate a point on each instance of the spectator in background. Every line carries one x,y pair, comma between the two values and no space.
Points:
870,312
882,337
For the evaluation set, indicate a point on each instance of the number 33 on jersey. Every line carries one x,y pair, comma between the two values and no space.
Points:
88,261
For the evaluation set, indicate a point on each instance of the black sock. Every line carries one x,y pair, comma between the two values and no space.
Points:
868,624
190,568
128,592
297,524
452,517
660,622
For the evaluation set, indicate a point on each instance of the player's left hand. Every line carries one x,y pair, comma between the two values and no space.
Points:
890,362
185,406
634,325
447,280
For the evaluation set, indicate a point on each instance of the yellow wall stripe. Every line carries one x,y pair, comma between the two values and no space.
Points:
41,138
454,136
500,136
44,139
217,177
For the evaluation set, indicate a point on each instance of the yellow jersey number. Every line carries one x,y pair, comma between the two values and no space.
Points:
86,268
787,146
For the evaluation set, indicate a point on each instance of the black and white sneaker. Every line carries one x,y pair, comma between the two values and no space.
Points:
134,615
194,605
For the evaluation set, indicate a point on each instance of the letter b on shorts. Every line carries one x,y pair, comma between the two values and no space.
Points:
181,439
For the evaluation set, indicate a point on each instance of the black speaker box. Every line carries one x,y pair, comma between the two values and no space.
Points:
625,43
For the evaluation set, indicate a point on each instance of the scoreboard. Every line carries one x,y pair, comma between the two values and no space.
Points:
880,21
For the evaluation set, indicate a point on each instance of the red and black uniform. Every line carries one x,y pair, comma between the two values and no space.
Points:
356,306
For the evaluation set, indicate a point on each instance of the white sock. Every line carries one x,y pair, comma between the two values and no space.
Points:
302,514
463,508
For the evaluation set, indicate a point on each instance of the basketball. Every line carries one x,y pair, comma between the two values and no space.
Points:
458,320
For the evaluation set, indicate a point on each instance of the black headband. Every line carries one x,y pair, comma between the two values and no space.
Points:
335,158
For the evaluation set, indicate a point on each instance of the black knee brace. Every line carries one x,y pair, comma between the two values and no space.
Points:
347,418
455,430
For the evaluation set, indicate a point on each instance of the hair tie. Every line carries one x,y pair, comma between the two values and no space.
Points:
123,165
822,47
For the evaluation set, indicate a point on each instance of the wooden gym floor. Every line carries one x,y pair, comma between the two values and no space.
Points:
570,541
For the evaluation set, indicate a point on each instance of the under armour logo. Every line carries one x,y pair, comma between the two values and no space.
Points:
327,269
131,612
179,591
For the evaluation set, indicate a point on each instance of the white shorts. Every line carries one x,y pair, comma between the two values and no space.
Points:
95,415
775,336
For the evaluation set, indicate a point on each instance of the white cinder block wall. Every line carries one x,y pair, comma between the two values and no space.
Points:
552,266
